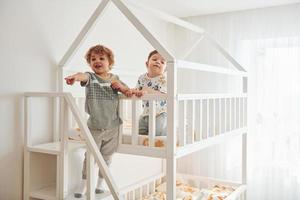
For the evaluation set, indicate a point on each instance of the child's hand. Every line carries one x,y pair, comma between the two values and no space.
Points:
116,85
70,80
139,93
128,93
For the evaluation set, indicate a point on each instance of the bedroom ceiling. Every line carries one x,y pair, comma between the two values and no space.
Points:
185,8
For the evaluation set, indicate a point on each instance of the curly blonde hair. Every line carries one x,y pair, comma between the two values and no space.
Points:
100,49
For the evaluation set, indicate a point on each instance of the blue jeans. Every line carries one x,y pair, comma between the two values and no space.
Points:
160,125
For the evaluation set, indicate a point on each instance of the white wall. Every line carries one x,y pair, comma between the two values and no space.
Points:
34,36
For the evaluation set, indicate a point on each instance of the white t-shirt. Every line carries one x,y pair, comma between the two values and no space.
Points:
158,83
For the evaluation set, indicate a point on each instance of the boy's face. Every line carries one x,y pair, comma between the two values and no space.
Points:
156,65
100,63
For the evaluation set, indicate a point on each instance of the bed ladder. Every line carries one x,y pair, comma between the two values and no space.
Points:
60,149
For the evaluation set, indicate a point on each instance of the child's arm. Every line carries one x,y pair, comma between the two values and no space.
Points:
82,77
117,85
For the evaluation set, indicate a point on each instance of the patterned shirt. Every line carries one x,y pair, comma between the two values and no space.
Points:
158,83
102,102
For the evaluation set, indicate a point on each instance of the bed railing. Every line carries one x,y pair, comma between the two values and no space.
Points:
199,116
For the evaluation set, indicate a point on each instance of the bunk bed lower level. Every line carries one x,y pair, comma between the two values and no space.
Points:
203,120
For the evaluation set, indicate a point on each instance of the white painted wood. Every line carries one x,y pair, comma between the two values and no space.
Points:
83,33
220,116
225,114
55,118
146,97
27,128
182,123
244,159
90,162
234,113
207,119
122,115
182,151
58,180
171,127
143,30
45,193
191,121
53,147
43,94
208,68
225,53
192,47
26,175
63,153
213,117
152,122
230,114
142,151
135,123
166,17
208,96
198,128
242,112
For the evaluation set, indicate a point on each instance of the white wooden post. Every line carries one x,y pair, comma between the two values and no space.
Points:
198,135
152,122
171,127
135,123
26,186
244,141
63,154
230,114
191,121
207,118
225,115
182,123
90,164
122,115
220,116
214,117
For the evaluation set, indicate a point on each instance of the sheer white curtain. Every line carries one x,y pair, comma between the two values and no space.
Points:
267,43
274,110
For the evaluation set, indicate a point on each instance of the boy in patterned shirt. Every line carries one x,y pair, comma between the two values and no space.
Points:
153,82
101,104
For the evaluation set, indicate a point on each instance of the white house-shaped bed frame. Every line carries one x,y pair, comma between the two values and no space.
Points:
171,152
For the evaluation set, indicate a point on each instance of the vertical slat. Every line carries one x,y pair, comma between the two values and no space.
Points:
246,111
191,121
58,174
90,175
122,114
234,113
135,123
140,193
55,118
63,154
198,135
230,115
220,116
26,186
244,158
214,117
207,118
242,112
182,123
225,115
151,124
